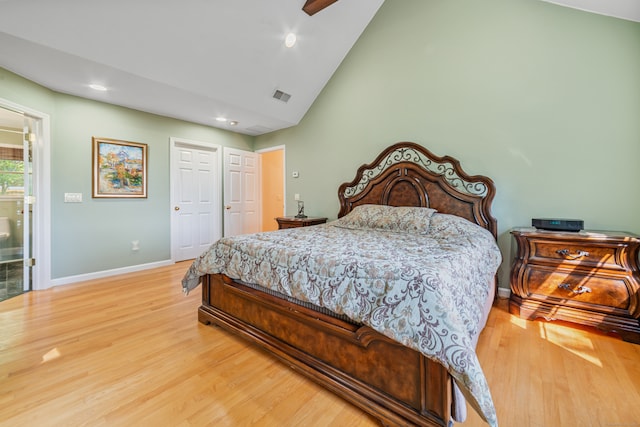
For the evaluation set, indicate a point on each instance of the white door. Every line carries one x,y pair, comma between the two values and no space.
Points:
196,201
241,192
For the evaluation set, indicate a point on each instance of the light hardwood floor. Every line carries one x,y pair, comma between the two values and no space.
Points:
129,351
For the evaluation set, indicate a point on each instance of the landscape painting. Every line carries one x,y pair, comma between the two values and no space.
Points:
119,168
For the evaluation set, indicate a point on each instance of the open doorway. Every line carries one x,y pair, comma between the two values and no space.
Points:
272,182
16,215
25,222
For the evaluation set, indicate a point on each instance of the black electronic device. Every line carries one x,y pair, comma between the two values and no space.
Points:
558,224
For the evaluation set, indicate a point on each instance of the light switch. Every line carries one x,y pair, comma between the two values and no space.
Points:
73,197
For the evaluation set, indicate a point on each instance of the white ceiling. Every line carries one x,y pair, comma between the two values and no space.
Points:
189,59
197,59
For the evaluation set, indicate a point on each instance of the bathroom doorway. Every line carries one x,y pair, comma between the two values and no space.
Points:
17,134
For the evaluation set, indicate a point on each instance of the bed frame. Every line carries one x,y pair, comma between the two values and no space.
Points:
393,383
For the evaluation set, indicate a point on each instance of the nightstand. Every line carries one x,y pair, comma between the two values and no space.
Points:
291,222
588,277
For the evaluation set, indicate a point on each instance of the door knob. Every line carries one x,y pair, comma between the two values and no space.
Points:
227,207
177,208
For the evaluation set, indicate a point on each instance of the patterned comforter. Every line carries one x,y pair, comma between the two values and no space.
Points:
423,283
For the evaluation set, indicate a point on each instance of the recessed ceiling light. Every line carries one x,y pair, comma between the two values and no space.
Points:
290,40
98,87
233,123
221,119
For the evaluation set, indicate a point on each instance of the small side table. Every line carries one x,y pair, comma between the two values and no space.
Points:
291,222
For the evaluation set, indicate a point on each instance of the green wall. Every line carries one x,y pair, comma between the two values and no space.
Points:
543,99
96,235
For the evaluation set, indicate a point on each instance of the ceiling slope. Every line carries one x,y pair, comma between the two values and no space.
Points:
623,9
194,60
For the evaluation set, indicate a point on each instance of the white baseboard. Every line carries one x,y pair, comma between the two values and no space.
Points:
504,292
107,273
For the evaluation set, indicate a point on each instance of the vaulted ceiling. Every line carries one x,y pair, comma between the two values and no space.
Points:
198,60
195,60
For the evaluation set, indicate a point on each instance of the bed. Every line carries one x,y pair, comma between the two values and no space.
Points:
371,356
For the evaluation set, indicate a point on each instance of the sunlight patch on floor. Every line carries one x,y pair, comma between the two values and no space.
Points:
51,355
571,340
522,323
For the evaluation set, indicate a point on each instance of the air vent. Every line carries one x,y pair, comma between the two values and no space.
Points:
282,96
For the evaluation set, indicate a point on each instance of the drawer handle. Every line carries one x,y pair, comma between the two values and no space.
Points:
579,290
567,253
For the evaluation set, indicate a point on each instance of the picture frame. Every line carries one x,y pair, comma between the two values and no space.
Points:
119,169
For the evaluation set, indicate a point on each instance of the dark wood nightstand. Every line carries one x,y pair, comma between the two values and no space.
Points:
588,277
291,222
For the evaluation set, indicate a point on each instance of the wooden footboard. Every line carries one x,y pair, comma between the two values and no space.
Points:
393,383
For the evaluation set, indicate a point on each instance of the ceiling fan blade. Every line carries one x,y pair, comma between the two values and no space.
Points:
312,7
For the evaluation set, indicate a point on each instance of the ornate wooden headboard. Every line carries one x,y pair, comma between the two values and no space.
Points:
407,174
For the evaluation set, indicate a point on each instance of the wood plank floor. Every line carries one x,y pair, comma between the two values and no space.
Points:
128,350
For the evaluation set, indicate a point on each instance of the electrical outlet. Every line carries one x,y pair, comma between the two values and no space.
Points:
135,245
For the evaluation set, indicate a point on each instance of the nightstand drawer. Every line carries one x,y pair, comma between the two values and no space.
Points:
293,222
571,287
587,255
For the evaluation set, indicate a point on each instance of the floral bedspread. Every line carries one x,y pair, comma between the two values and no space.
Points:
425,290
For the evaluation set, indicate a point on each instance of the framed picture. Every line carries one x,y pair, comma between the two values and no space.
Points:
119,168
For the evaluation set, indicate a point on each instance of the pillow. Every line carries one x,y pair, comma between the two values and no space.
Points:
388,218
